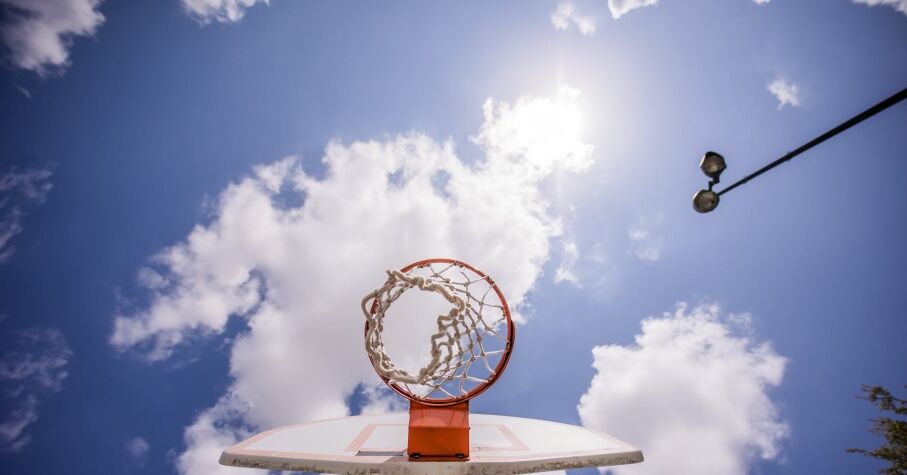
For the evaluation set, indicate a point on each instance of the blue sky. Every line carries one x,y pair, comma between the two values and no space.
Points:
197,193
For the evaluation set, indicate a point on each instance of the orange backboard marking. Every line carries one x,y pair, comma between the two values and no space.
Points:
356,444
515,442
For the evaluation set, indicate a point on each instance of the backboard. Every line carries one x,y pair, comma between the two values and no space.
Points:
377,444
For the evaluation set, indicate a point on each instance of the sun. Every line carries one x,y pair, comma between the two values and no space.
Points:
539,132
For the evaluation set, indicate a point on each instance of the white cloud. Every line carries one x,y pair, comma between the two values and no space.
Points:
215,429
10,226
565,16
381,400
692,393
25,92
223,11
529,139
566,270
620,8
645,237
137,447
39,33
31,369
787,93
296,274
19,189
899,5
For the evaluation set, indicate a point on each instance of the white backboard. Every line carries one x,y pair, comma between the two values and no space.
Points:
377,444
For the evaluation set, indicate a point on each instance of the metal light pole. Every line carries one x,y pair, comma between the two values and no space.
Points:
713,164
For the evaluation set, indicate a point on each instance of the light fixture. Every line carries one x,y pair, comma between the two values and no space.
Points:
712,164
705,201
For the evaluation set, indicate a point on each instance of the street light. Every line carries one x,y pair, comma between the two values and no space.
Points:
712,164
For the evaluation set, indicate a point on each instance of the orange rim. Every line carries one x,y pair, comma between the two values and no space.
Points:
498,370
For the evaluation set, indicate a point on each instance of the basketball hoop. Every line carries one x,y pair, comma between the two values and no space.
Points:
469,351
473,341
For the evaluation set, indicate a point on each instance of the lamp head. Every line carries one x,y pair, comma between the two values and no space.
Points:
705,201
712,165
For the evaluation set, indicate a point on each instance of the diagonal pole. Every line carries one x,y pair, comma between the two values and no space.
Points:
898,97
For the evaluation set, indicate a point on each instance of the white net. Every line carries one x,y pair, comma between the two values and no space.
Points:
471,343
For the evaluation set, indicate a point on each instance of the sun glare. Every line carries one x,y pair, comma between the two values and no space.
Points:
545,132
551,127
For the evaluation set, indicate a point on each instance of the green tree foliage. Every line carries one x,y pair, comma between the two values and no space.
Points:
894,431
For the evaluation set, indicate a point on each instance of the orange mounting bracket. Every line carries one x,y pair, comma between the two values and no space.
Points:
438,433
